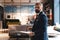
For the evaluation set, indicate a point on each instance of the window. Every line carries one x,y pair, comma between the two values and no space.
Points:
10,8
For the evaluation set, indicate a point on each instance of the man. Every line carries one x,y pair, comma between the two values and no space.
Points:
40,24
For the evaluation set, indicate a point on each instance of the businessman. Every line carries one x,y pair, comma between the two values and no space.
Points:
40,24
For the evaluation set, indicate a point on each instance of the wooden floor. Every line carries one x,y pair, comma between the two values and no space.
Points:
5,36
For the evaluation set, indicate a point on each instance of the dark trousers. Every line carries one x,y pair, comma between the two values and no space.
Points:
38,37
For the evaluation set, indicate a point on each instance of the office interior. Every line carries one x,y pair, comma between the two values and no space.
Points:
18,15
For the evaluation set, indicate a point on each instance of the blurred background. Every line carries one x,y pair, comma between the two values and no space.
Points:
22,13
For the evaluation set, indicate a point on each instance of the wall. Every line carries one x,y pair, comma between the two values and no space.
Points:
59,12
56,11
20,12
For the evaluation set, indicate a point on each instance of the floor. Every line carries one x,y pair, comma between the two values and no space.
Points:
55,38
4,36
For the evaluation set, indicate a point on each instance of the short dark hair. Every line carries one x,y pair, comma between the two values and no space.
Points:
38,4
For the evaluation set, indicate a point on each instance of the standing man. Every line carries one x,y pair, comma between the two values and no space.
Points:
40,24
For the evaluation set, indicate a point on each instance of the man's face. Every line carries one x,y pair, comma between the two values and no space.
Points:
37,8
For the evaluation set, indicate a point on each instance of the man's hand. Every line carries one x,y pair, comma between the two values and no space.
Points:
31,34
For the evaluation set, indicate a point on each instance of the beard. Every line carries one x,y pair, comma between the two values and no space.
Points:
37,11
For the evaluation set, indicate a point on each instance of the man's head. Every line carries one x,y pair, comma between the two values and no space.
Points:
37,7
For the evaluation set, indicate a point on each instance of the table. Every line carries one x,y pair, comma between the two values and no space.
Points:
21,34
